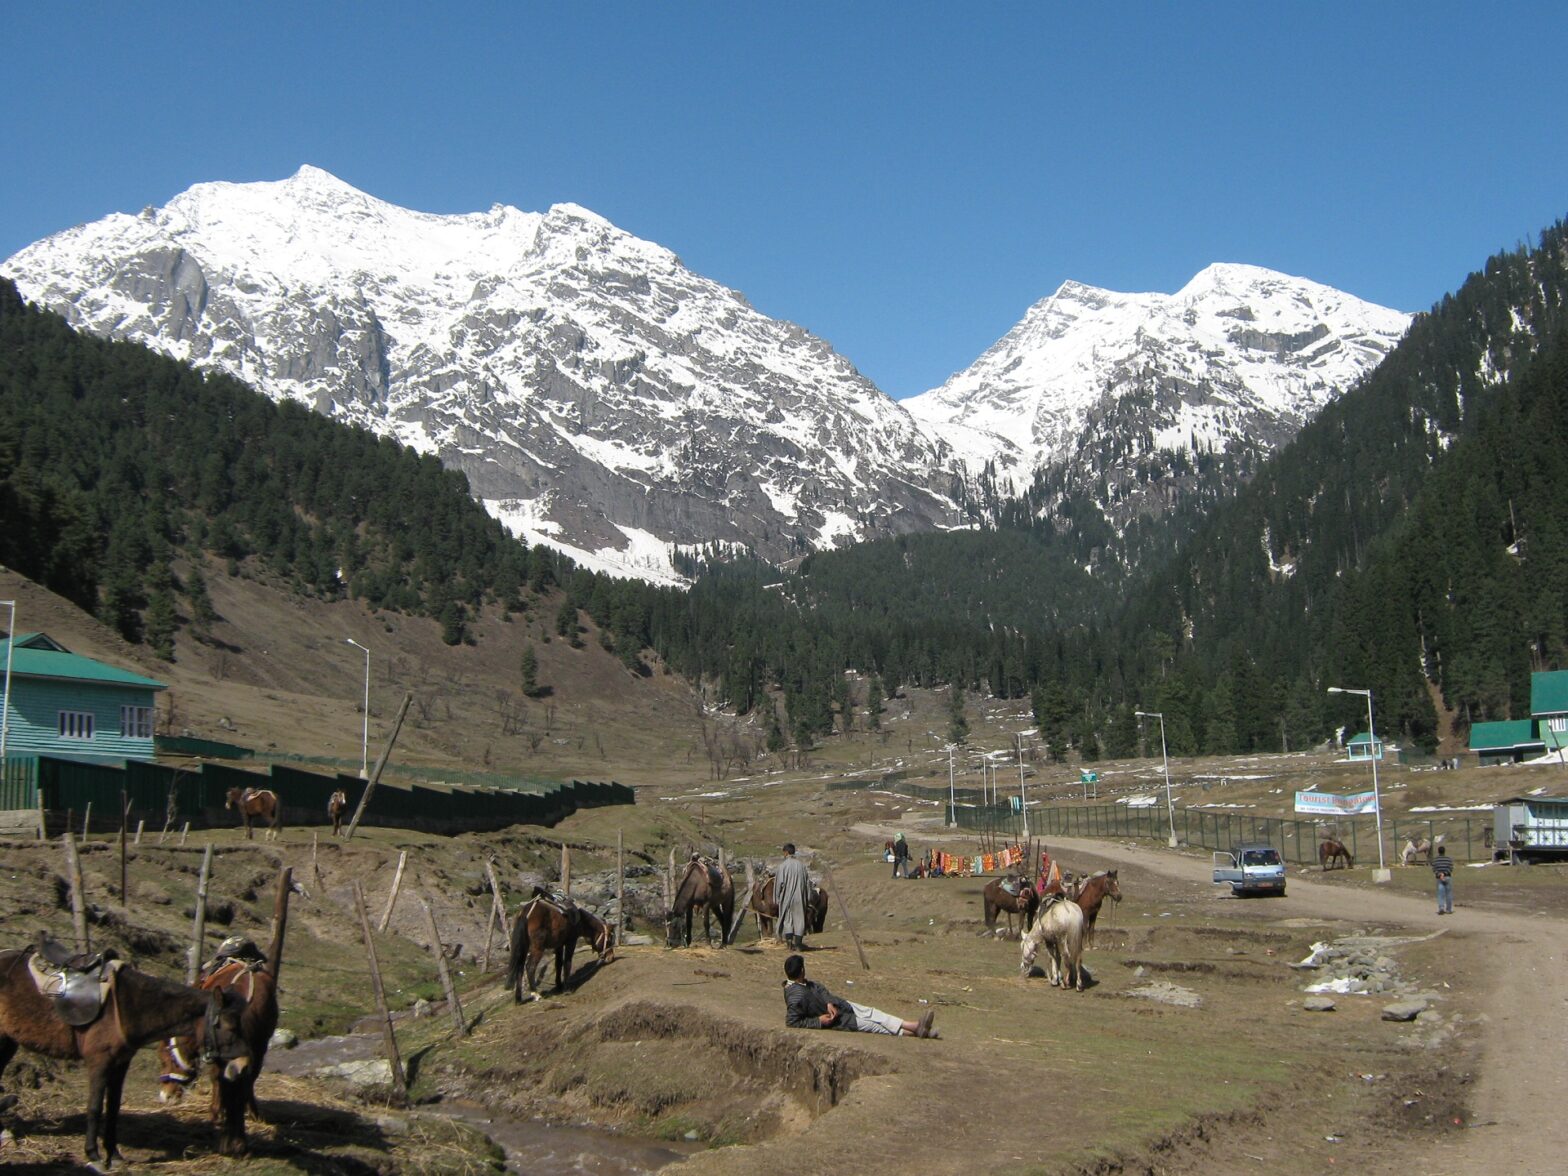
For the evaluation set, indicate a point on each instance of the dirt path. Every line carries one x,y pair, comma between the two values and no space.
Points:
1516,1111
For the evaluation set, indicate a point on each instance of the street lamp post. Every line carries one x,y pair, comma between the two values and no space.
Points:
1023,803
5,714
364,739
1382,874
1165,761
952,801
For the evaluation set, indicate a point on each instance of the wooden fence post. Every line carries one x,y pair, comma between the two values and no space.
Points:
193,962
844,910
315,869
73,865
184,832
399,1081
140,824
452,1004
566,869
87,821
370,784
397,882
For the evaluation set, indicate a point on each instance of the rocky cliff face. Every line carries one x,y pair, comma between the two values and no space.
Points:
600,396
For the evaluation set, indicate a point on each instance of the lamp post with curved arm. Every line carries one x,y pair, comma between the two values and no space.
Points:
1382,874
1165,761
364,738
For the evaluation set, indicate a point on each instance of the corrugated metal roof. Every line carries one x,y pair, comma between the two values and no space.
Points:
1549,693
56,663
1506,733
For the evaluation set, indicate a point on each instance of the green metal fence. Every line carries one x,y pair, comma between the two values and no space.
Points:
158,792
1465,835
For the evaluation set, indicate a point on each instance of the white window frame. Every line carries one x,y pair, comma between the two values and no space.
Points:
76,724
136,722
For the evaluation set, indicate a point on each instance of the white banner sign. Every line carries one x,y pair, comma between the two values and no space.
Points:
1328,804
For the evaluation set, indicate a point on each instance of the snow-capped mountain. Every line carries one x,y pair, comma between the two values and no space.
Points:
601,397
1092,378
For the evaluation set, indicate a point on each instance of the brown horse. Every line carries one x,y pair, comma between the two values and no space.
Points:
1090,893
704,885
241,970
335,809
261,803
140,1009
1023,904
1331,852
542,925
761,903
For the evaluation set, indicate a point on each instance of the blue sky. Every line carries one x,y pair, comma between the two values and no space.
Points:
903,179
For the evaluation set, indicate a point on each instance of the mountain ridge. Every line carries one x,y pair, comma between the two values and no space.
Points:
605,400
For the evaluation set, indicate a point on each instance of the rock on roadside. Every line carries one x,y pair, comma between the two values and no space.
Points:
1404,1010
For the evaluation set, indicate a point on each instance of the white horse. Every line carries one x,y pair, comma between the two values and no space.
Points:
1058,927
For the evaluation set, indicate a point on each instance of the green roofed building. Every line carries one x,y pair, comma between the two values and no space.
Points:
63,704
1363,747
1549,707
1509,742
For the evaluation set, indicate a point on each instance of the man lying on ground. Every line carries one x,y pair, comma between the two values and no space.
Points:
808,1005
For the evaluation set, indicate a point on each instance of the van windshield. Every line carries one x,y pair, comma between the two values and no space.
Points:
1259,857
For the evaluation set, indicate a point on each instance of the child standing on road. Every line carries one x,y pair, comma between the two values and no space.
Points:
1443,869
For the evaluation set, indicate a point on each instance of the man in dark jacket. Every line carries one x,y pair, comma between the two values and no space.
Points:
900,857
808,1005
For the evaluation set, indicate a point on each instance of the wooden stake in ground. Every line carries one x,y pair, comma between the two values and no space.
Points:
446,976
140,824
184,832
193,962
669,882
370,784
620,886
397,882
566,869
43,822
399,1082
844,910
484,962
497,913
87,821
73,866
315,869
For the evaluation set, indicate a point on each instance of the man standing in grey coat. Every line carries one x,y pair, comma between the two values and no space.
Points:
791,890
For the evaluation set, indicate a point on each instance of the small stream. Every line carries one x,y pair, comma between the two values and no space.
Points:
533,1147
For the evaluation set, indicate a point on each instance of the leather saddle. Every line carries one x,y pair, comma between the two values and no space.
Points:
77,983
561,902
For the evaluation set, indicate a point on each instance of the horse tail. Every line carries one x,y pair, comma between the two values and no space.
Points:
517,956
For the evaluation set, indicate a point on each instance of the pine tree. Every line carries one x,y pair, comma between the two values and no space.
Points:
530,671
203,615
161,617
874,706
957,721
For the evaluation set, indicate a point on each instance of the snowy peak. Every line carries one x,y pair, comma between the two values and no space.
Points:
600,396
1239,353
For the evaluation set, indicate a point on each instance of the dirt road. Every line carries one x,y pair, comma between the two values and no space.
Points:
1516,1111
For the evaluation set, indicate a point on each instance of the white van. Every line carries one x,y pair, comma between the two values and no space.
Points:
1251,869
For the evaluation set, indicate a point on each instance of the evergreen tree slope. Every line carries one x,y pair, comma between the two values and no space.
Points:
1409,534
